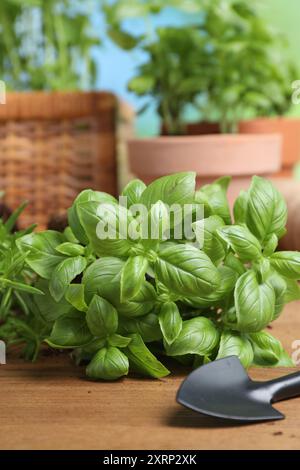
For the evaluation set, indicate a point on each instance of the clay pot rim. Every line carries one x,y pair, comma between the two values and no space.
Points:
185,139
272,119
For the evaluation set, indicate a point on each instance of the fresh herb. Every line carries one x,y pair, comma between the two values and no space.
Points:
121,302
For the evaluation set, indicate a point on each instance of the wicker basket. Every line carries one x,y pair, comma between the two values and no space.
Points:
53,145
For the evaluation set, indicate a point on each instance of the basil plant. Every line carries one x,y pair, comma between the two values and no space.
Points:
127,301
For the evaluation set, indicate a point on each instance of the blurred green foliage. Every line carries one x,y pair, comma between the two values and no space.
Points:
228,64
46,45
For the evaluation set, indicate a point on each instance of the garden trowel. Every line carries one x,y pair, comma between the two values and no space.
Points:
223,389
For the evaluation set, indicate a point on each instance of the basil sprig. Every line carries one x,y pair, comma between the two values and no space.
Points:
121,302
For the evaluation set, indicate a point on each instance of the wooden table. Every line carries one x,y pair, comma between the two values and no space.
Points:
50,405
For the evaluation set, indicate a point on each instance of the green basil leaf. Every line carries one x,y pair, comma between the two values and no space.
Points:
285,360
75,296
101,317
142,360
133,277
70,249
198,336
42,256
271,245
49,309
186,270
234,344
242,242
70,331
280,287
231,261
103,278
63,275
292,292
157,226
215,195
147,327
73,216
133,191
118,341
228,280
267,349
206,235
266,211
254,303
108,364
287,263
170,321
113,221
240,208
174,189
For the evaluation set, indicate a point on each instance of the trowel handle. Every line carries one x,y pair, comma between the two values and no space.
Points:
285,387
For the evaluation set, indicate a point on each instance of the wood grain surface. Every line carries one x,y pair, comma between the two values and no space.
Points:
50,405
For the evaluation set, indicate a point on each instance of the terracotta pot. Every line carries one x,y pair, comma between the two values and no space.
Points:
289,128
290,189
240,156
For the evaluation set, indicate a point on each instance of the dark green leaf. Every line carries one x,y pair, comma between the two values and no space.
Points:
63,275
143,360
108,364
70,331
170,321
101,317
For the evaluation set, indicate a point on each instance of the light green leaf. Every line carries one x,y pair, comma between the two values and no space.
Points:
228,281
174,189
267,349
101,317
170,321
254,303
133,277
108,364
103,278
106,226
292,292
73,217
206,235
70,331
70,249
42,256
20,286
142,360
198,336
240,208
287,263
280,287
63,275
271,245
266,210
75,296
215,196
133,191
185,270
242,242
234,344
231,261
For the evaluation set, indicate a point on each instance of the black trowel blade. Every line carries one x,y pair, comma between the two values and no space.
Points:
223,389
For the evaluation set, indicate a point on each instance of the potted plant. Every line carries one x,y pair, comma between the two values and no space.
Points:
218,66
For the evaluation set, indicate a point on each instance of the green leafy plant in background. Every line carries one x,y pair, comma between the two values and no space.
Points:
17,319
124,303
46,45
228,64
